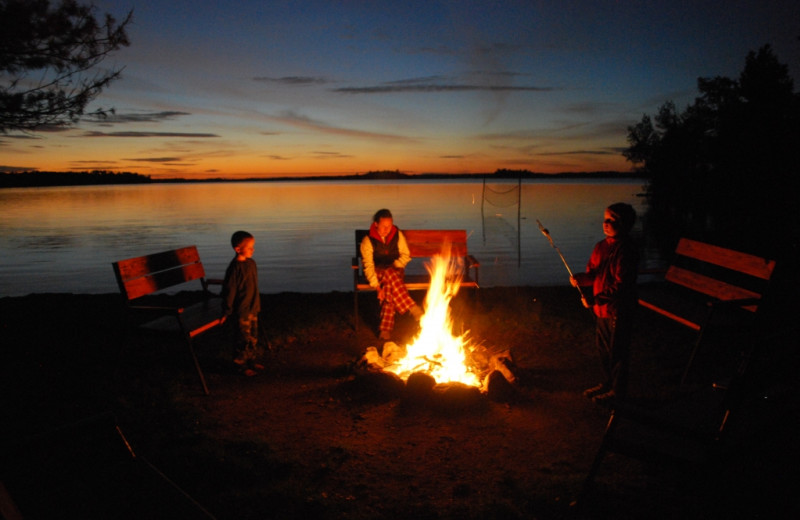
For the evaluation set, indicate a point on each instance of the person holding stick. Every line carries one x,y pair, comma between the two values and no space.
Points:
611,273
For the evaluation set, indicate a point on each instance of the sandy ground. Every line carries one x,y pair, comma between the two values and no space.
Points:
313,437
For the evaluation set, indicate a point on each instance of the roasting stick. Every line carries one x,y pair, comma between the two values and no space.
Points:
546,233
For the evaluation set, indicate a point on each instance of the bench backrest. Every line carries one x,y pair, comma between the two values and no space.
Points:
150,273
424,243
720,273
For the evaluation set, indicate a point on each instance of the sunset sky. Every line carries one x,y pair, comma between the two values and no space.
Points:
269,88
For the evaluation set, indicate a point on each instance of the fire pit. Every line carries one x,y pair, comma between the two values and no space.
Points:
437,361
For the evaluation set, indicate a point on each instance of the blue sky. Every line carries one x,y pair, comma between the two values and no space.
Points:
260,88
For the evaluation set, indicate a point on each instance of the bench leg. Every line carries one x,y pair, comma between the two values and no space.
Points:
355,310
696,347
197,364
588,482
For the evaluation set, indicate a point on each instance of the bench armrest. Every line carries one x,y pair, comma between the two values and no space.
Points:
472,261
354,263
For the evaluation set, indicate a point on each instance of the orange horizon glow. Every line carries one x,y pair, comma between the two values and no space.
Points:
248,167
296,90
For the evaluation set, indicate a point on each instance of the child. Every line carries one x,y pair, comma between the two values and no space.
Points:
242,301
384,252
611,272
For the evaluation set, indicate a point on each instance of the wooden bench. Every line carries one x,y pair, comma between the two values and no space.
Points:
422,243
703,278
144,275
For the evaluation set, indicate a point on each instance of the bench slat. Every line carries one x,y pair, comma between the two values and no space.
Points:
144,265
709,286
424,243
144,285
429,242
733,260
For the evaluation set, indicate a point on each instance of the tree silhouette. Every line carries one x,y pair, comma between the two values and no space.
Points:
49,57
724,169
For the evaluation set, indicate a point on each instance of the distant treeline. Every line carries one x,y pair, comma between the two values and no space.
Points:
40,179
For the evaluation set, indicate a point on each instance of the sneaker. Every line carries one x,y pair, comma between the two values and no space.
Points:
593,391
249,372
257,366
240,360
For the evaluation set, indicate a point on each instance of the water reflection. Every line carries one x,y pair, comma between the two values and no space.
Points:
64,239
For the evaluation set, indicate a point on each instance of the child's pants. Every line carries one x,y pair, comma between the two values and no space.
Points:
613,336
246,338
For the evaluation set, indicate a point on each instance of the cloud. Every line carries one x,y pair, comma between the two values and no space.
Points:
156,159
38,130
146,134
300,121
93,162
18,137
293,80
577,152
392,88
330,155
145,117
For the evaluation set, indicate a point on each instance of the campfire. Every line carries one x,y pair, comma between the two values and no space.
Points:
436,351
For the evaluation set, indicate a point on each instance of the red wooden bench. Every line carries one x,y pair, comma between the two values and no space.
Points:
422,243
145,275
704,278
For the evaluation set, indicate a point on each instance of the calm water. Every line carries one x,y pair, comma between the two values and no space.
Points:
64,239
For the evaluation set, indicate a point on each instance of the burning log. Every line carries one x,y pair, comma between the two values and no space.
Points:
502,362
438,362
497,382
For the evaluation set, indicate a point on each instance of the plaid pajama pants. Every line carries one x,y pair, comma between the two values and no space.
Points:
245,341
395,296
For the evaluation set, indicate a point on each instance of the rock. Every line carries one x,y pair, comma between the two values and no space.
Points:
419,386
376,386
457,396
498,388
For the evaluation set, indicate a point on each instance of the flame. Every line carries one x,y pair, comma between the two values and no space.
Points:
435,350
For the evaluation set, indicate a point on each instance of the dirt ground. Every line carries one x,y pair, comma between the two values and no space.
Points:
313,437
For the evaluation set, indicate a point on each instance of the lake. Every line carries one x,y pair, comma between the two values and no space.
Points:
64,239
